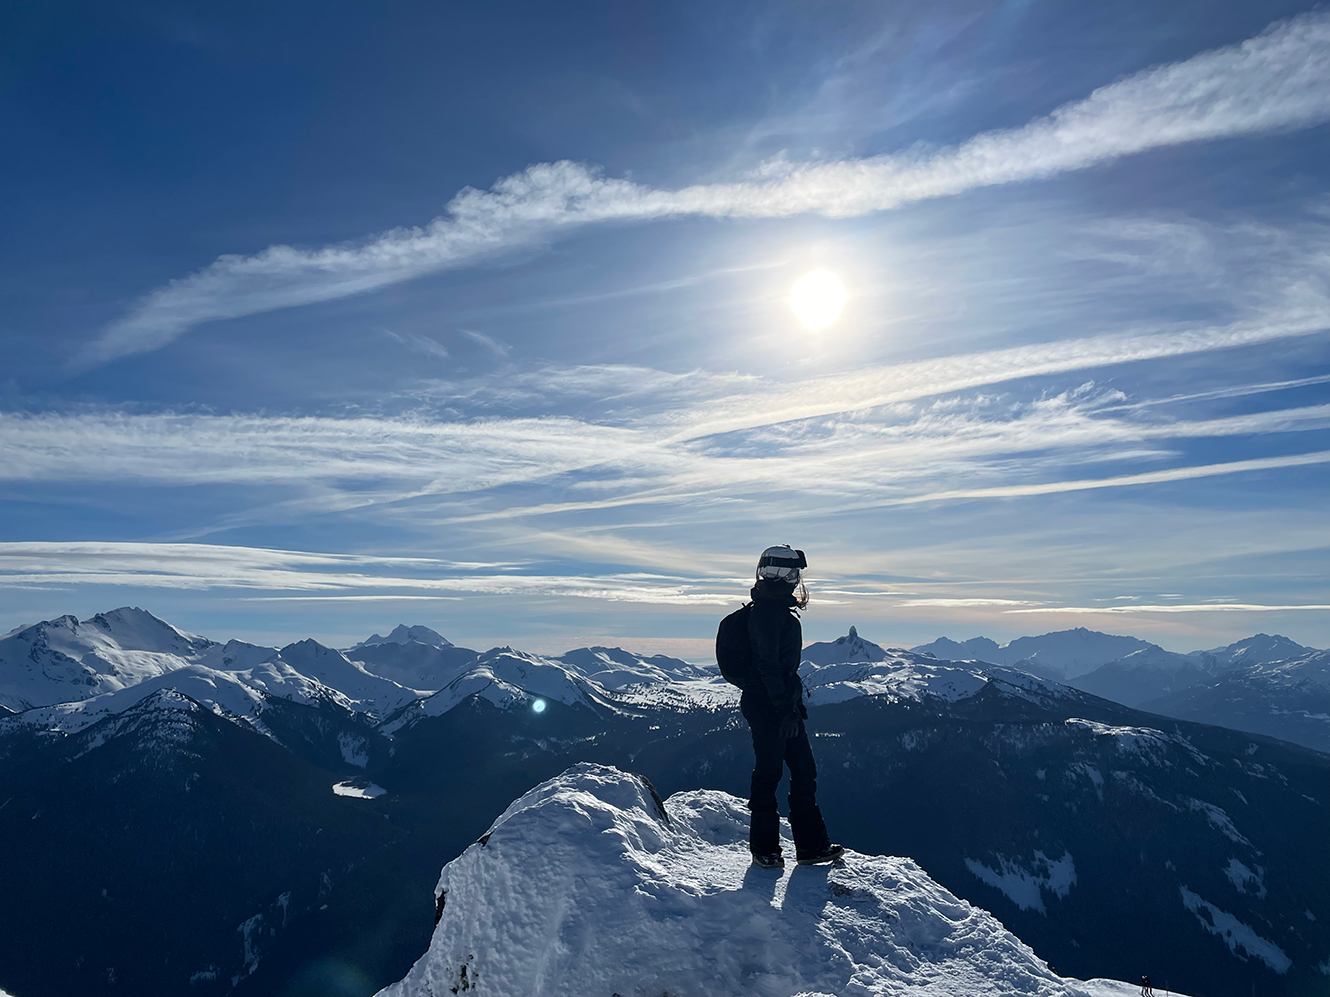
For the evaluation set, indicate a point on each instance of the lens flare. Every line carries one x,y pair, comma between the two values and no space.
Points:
817,298
538,706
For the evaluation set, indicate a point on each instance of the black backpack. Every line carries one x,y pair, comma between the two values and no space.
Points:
734,654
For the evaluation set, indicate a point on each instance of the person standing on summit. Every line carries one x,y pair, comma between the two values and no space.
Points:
766,666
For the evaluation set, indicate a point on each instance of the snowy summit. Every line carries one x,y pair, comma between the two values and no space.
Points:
403,634
590,884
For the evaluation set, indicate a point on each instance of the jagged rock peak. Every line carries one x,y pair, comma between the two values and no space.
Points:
851,647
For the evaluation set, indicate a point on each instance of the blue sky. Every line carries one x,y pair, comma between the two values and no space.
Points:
322,318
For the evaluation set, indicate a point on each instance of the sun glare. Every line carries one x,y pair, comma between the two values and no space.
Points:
817,299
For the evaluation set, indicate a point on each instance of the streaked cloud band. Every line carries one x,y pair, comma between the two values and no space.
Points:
1277,80
1120,481
1202,607
204,567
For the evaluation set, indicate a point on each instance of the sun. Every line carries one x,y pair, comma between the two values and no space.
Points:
818,297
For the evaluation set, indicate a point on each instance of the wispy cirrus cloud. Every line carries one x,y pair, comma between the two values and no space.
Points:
1118,481
203,567
962,450
1277,80
1200,607
303,576
894,452
862,438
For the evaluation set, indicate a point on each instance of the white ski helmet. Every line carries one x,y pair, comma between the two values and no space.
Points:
783,563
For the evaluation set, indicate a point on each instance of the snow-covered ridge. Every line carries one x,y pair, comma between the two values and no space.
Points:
239,694
372,693
1310,670
1080,652
614,668
65,675
901,676
76,673
1064,654
907,675
1258,649
61,660
506,677
591,884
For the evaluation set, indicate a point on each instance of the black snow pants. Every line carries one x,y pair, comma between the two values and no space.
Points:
773,753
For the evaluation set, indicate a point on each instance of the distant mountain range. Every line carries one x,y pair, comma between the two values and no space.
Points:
1264,684
1062,655
1288,698
206,818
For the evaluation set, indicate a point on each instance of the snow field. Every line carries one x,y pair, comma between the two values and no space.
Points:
586,886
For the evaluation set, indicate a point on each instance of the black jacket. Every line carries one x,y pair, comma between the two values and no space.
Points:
777,641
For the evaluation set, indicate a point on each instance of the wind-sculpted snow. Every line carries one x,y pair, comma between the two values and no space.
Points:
590,884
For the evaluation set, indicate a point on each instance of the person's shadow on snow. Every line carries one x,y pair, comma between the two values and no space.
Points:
762,882
808,890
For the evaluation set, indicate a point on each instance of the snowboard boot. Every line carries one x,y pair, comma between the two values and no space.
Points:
769,860
831,853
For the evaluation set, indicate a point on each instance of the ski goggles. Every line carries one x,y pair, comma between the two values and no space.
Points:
795,559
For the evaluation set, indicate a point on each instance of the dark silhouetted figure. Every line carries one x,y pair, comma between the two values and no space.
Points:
1146,989
773,705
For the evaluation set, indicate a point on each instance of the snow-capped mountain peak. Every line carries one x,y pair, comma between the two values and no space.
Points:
909,676
64,660
506,678
403,634
1153,657
591,884
1060,655
1258,649
901,676
851,647
237,693
331,667
237,655
615,668
974,649
135,629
